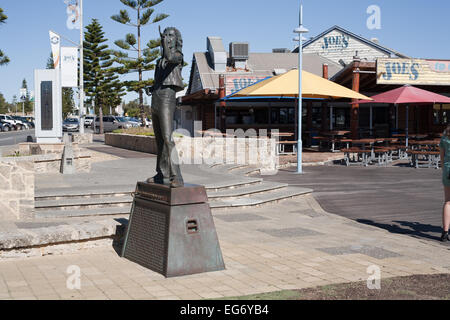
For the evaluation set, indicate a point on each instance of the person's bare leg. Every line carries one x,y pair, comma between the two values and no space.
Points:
446,210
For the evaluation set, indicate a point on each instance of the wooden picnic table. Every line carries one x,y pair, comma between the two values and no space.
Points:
369,143
425,142
334,136
282,134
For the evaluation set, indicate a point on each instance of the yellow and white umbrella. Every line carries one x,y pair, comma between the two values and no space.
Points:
286,85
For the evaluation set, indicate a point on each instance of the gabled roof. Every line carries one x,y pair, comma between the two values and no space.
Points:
203,76
360,38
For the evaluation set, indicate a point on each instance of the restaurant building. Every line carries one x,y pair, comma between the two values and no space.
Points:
337,54
371,68
216,74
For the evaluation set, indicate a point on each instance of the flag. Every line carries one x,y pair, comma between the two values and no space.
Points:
55,41
73,15
69,66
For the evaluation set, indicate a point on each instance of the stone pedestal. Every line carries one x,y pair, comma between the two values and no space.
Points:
171,231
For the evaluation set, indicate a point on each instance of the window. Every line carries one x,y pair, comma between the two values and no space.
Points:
275,116
284,115
291,116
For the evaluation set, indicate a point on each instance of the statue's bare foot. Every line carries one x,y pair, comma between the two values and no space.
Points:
156,179
176,183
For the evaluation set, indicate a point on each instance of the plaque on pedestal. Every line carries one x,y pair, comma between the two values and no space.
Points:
171,231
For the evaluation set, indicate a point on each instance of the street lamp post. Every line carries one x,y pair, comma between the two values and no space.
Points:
81,112
300,30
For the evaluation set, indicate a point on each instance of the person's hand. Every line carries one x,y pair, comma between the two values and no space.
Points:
149,90
161,34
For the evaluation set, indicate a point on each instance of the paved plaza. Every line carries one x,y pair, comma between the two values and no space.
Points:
289,245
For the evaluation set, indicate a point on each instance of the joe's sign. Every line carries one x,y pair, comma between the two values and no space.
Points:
236,83
413,71
335,42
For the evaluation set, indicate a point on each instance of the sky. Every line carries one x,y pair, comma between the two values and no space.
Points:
415,28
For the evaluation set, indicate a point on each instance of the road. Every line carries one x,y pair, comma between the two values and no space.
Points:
401,200
14,137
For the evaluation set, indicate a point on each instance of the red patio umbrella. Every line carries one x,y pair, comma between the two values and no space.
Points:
407,95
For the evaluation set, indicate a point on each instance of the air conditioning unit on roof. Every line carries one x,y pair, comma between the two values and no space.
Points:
239,50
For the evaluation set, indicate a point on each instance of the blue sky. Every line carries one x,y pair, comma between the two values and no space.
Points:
414,27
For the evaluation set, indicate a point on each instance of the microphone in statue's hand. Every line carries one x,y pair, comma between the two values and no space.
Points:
160,33
149,90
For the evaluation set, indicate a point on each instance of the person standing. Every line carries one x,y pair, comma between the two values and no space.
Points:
445,161
167,82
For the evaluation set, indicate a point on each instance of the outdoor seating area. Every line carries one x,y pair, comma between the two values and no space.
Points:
422,150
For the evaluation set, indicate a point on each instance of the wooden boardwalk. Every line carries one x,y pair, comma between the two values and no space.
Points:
399,199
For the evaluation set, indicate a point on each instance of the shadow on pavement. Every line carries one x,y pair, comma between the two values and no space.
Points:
415,229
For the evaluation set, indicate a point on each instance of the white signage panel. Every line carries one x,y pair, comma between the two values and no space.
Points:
69,66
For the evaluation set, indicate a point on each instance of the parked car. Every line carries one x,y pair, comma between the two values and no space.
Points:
6,126
71,125
125,123
27,121
133,121
88,121
110,123
23,122
148,123
8,119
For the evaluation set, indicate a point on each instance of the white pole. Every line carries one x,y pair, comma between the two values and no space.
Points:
407,126
300,100
81,89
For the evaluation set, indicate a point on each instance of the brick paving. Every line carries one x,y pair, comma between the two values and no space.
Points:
305,247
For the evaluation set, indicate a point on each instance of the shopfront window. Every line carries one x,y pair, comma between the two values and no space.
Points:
282,115
261,116
437,114
445,113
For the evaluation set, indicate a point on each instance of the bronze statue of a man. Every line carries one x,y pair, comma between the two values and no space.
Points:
167,82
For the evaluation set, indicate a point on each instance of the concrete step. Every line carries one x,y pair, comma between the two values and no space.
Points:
89,192
260,198
120,208
244,171
72,213
71,203
232,183
264,186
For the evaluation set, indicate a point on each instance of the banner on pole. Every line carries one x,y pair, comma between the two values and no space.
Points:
55,41
23,94
73,14
69,66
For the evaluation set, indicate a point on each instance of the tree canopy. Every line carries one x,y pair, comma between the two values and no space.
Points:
101,83
141,59
3,59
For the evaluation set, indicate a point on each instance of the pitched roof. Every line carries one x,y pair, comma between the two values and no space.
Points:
203,76
360,38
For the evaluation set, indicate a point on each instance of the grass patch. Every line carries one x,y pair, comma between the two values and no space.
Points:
16,154
138,131
415,287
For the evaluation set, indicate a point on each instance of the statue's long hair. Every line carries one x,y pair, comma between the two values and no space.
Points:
179,42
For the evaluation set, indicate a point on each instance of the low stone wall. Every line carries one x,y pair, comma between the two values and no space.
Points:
260,152
82,138
132,142
16,189
47,156
27,149
17,181
51,163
